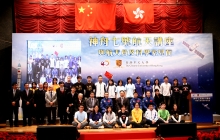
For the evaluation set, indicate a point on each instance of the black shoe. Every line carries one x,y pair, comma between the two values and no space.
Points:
16,126
11,125
29,124
185,114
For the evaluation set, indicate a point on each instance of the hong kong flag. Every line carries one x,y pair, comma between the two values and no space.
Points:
94,16
108,75
139,13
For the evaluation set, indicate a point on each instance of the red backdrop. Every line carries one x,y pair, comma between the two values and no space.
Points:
59,17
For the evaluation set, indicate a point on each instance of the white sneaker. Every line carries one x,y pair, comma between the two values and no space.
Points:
128,127
101,127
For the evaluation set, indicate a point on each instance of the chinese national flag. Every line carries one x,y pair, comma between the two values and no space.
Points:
139,13
93,16
108,75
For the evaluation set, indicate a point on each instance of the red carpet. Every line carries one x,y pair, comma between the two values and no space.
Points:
118,135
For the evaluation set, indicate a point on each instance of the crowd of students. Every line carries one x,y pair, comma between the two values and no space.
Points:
100,105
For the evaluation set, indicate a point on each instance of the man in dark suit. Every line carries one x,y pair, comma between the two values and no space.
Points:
122,100
72,103
62,102
27,104
39,104
14,97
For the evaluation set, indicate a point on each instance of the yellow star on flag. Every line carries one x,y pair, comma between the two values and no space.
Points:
81,10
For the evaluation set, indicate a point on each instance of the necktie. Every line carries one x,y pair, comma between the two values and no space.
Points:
121,101
51,95
13,92
27,92
92,102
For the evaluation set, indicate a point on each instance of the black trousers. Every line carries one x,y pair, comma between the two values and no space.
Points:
137,125
120,124
13,110
149,122
167,101
70,115
62,114
184,104
27,114
53,111
40,114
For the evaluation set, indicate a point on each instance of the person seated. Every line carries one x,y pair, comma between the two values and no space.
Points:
105,102
163,114
123,120
135,100
81,101
80,118
137,117
109,118
95,118
148,99
175,115
158,98
151,116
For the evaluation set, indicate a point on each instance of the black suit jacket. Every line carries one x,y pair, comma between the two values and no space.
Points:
83,102
26,98
62,97
125,102
13,98
72,100
39,98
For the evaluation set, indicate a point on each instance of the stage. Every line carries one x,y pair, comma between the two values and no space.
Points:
109,134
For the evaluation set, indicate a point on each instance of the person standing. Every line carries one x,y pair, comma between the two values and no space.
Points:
186,90
175,90
80,118
158,98
51,104
91,102
80,101
55,85
62,102
14,97
166,91
119,88
156,85
68,84
148,87
105,102
39,104
139,87
111,91
100,88
122,101
80,87
90,86
129,88
27,104
72,103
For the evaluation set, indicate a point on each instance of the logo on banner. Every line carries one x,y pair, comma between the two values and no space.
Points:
105,63
193,48
118,63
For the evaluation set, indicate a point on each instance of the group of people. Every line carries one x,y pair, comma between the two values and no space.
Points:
44,68
99,105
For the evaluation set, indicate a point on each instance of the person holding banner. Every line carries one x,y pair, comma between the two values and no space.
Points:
166,91
139,88
185,91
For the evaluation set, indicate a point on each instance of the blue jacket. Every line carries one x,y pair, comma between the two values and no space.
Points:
135,100
148,88
104,103
139,88
146,101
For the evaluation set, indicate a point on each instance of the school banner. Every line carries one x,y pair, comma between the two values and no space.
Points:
202,107
40,57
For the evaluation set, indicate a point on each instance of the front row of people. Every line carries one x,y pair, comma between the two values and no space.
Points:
139,120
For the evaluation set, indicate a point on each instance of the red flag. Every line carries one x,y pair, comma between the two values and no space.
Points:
93,16
108,75
56,53
139,13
